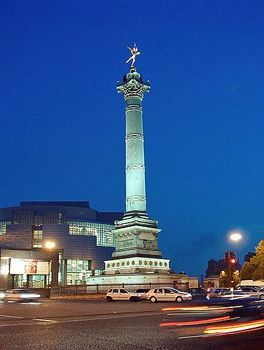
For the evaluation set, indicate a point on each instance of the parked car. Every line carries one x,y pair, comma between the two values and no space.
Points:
217,292
252,291
2,294
197,293
20,295
167,294
122,294
235,294
143,293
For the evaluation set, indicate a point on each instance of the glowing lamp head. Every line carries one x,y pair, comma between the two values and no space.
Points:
235,236
233,261
50,245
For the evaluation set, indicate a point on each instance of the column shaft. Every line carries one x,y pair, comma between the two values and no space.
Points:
135,165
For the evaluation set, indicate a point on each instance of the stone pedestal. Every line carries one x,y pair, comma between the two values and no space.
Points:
136,235
135,265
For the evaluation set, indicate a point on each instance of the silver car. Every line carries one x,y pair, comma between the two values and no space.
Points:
252,291
20,295
122,294
167,294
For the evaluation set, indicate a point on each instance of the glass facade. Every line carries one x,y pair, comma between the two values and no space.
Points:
83,239
103,232
3,225
78,271
37,238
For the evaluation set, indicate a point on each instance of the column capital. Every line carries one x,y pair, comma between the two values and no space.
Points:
133,85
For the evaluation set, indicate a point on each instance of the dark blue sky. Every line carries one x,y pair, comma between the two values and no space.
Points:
63,125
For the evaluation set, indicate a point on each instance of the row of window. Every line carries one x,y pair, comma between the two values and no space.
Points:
103,233
3,225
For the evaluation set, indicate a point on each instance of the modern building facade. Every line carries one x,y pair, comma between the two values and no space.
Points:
54,243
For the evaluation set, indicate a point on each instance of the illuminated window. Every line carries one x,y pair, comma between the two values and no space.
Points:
37,239
103,232
78,271
3,225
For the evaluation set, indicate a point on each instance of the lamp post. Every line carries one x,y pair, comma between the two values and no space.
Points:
236,236
49,245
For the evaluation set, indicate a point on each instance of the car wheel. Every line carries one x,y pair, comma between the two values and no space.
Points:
261,297
109,299
153,299
179,300
132,299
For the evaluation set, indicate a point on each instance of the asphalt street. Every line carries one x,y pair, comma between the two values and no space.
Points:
51,324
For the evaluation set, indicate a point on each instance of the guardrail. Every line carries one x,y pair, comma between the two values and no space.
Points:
81,289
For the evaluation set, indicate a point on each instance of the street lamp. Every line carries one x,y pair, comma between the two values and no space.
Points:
235,236
49,245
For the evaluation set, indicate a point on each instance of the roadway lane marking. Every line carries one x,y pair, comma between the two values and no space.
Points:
78,320
194,336
107,317
11,316
43,320
16,324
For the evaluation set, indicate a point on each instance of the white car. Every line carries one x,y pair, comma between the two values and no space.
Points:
2,294
168,294
252,291
122,294
20,295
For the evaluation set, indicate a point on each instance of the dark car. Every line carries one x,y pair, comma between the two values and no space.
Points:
142,292
198,293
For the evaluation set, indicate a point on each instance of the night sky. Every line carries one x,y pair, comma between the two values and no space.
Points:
63,124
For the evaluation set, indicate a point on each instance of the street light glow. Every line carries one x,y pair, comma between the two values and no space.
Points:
50,245
235,236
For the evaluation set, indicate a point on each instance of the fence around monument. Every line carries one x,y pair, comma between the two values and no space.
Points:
93,289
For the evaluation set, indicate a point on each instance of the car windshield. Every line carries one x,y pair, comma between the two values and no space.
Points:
174,290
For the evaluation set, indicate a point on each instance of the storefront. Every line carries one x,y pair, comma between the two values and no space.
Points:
29,273
27,269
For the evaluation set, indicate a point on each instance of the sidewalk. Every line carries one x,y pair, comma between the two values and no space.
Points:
100,296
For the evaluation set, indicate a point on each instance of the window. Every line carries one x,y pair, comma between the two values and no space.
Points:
103,232
76,265
37,238
3,225
168,291
78,271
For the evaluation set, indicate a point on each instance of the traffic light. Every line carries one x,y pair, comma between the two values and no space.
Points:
232,258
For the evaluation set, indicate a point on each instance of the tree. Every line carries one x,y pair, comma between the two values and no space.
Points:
229,277
248,256
254,268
